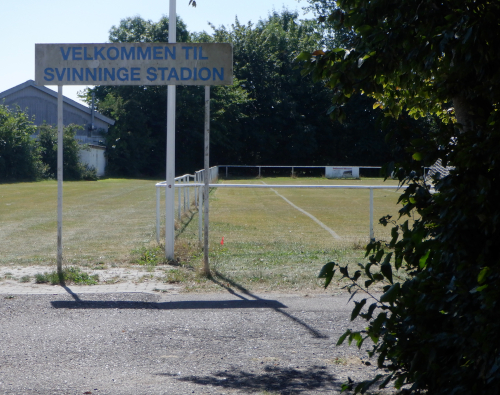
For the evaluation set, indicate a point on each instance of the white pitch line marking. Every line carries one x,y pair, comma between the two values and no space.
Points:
332,232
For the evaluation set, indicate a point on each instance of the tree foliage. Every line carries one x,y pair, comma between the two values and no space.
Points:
437,330
272,115
73,169
20,156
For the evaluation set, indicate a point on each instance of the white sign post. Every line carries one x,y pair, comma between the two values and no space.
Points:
135,64
170,148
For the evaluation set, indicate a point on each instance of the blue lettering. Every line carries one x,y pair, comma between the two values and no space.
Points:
169,52
122,74
60,76
128,55
151,74
145,53
110,74
92,73
78,74
208,74
49,74
157,53
163,69
98,52
201,54
116,55
220,75
185,76
65,55
77,53
173,74
135,74
85,55
187,51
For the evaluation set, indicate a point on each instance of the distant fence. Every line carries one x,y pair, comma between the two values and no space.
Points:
184,184
190,191
327,171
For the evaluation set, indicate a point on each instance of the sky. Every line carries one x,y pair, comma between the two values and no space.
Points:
24,23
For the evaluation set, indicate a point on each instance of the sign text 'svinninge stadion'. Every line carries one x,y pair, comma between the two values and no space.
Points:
134,64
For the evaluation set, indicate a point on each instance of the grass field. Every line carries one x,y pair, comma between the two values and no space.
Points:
268,243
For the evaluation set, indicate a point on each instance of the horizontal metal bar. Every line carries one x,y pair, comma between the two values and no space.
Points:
304,167
184,185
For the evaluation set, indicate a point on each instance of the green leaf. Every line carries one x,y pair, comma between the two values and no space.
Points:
343,337
369,314
422,261
344,271
304,56
377,323
364,29
356,336
391,294
357,309
327,272
386,270
483,274
417,156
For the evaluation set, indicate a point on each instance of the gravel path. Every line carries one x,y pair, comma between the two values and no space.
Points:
70,342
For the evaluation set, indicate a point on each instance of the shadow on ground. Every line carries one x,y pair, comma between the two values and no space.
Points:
285,381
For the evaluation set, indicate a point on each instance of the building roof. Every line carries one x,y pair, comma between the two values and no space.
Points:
50,92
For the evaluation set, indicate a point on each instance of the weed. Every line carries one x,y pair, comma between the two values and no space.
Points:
25,279
70,275
175,276
99,266
150,256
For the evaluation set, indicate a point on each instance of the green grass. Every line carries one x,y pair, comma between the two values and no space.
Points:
102,221
70,275
268,244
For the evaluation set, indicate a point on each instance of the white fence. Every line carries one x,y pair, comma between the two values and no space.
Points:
190,191
184,184
330,171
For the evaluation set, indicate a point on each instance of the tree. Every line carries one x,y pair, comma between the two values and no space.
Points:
436,331
287,120
73,169
20,158
136,144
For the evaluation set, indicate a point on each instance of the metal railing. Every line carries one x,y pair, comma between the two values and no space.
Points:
190,191
260,167
199,195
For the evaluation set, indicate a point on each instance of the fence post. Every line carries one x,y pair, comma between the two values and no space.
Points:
158,215
372,237
200,213
206,267
178,203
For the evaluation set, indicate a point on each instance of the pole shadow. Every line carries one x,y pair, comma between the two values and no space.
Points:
244,291
246,300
